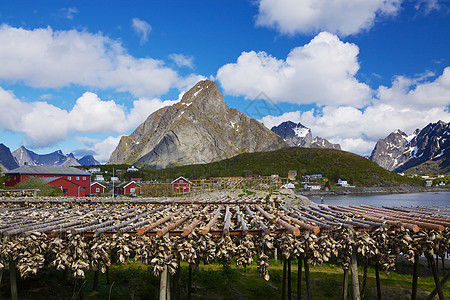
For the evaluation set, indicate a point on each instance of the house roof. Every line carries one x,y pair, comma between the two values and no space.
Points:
97,183
126,183
181,177
44,170
312,183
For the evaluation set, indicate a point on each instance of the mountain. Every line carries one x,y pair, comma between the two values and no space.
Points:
298,135
58,158
7,161
424,151
88,160
199,129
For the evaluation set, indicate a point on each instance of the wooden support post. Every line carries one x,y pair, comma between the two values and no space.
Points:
95,285
275,254
354,269
189,282
414,282
163,284
377,277
308,281
436,278
13,279
345,285
299,279
363,284
107,276
443,281
1,276
289,279
283,291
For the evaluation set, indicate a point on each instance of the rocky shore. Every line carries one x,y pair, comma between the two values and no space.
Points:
375,190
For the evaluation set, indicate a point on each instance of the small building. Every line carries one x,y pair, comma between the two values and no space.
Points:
292,174
288,186
127,188
342,182
132,169
73,182
182,185
99,178
114,178
324,179
137,180
94,170
429,183
312,186
316,176
97,188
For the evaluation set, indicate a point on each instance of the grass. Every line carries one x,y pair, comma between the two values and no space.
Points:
136,281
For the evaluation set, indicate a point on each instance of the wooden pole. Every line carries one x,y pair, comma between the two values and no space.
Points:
354,269
283,292
363,287
189,282
443,281
163,284
308,281
95,285
299,279
436,278
13,278
289,278
414,282
377,277
345,285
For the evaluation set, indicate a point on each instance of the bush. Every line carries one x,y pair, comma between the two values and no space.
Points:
44,188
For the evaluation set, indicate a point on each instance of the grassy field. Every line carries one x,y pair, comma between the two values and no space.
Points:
136,281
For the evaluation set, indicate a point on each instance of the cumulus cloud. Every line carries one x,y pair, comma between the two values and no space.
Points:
410,103
182,60
104,148
322,72
43,124
45,58
343,17
142,28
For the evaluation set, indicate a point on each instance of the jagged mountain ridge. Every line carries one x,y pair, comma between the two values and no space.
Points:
298,135
199,129
57,158
7,161
428,147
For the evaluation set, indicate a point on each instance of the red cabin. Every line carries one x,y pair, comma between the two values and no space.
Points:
97,188
73,182
127,188
182,185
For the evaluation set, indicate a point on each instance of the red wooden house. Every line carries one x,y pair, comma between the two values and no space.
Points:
72,181
182,185
127,188
97,188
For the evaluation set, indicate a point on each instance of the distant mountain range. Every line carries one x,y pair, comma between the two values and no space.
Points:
22,156
197,130
423,151
298,135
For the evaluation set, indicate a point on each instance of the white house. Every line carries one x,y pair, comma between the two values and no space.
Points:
342,182
132,169
94,170
99,178
288,186
312,186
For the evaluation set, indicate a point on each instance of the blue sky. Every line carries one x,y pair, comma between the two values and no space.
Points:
77,75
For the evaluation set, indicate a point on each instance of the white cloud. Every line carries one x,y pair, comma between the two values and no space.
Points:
322,72
270,121
344,17
45,58
142,28
44,124
70,12
104,148
182,60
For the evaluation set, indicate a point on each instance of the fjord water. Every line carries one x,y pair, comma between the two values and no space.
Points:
427,199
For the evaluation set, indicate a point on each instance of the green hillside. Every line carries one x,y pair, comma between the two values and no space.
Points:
331,163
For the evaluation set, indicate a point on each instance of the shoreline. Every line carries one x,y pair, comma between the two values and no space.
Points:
374,191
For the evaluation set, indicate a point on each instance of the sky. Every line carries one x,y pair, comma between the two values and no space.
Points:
78,75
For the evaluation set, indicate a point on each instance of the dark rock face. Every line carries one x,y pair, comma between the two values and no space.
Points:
88,160
7,161
297,135
400,152
199,129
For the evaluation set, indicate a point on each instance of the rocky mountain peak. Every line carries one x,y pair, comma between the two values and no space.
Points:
199,129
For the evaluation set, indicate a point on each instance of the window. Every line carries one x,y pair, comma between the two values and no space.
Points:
65,191
132,190
69,177
97,190
82,189
77,178
84,177
181,181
